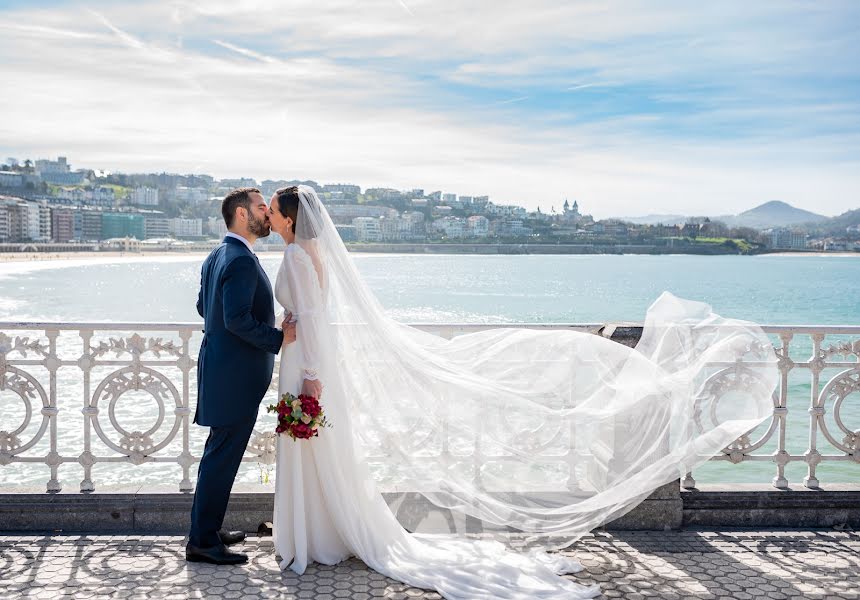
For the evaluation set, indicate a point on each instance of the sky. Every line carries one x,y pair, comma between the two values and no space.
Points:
630,108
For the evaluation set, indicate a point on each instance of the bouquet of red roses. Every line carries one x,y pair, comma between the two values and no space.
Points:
299,417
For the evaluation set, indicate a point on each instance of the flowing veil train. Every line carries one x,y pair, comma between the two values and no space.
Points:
551,433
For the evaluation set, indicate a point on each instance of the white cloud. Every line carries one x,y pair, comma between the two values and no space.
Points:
362,93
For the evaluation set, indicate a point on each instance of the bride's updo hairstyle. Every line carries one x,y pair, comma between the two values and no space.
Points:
288,206
288,203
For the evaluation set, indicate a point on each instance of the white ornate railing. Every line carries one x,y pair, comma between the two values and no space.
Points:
94,365
814,358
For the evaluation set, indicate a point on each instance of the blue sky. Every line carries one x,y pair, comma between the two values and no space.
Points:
629,107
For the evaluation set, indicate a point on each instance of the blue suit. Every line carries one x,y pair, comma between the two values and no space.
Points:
234,370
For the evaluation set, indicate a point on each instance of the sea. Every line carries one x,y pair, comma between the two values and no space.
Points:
418,288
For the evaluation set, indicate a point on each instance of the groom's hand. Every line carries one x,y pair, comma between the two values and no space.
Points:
312,387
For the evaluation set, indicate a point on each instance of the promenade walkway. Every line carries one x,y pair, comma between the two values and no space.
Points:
687,564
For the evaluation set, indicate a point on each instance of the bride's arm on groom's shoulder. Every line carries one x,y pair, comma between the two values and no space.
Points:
304,286
239,283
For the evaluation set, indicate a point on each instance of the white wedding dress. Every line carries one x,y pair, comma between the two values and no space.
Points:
548,432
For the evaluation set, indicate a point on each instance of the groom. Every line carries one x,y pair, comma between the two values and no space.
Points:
234,368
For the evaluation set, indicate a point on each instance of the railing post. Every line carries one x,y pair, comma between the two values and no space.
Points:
86,459
780,456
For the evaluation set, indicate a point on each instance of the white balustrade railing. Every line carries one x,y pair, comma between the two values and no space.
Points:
93,365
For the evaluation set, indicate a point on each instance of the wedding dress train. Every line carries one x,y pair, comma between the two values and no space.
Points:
548,432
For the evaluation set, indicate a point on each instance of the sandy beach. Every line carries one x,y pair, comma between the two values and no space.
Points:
16,257
11,257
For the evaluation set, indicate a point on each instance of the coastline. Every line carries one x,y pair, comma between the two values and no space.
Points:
19,257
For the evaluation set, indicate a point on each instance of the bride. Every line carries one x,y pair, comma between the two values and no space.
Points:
552,433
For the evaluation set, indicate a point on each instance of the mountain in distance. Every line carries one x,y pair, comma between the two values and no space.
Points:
771,214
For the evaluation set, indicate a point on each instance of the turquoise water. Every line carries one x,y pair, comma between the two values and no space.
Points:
823,290
788,290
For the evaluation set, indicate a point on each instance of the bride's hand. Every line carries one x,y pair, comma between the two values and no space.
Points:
289,329
312,387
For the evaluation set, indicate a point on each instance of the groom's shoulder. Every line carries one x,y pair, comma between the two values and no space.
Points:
224,254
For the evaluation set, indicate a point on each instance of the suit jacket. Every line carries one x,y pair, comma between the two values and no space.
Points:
234,368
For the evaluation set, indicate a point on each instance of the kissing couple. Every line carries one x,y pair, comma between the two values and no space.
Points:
549,433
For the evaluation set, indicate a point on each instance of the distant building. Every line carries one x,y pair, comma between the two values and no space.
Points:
789,239
44,167
11,179
832,245
123,225
392,229
451,200
238,183
612,227
144,196
216,227
24,221
62,225
5,224
570,214
191,194
124,244
450,227
413,225
367,229
186,228
511,228
75,195
156,227
101,195
478,226
90,225
59,172
46,226
345,213
384,193
504,210
343,188
270,186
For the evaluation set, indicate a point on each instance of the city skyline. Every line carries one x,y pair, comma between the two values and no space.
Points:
634,110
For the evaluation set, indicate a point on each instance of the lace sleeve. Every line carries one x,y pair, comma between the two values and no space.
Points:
305,289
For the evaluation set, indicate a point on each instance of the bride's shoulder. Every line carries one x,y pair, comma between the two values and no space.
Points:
295,252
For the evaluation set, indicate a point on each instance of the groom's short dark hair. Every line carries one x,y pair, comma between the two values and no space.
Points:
238,197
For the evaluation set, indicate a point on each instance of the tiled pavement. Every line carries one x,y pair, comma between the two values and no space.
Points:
689,564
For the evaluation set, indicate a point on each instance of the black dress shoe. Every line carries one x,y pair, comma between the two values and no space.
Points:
228,538
216,555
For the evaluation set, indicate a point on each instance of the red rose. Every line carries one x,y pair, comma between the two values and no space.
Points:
311,407
300,430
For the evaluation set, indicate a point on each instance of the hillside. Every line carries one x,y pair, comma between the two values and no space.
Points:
772,214
838,224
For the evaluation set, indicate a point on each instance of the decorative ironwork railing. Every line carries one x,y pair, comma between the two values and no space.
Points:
99,368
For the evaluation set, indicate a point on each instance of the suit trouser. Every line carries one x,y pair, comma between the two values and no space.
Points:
215,475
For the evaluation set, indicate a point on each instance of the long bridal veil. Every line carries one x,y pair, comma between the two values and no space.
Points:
546,432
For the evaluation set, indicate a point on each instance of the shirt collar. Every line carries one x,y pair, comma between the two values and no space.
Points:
240,238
